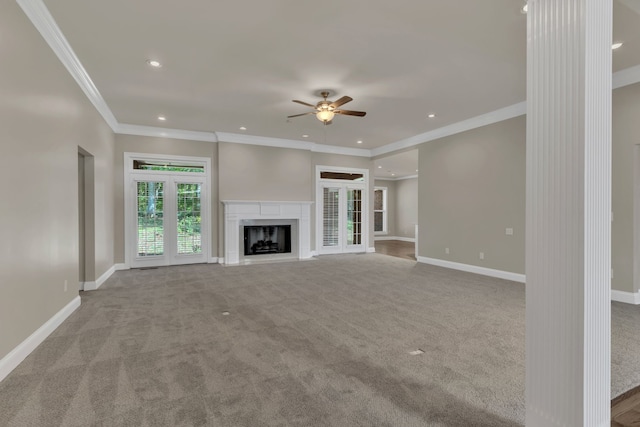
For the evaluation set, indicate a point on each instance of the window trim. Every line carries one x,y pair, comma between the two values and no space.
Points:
384,210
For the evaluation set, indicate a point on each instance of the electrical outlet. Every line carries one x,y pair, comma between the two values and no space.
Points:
481,255
66,285
446,250
508,231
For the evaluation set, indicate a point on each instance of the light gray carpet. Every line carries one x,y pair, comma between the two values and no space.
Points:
314,343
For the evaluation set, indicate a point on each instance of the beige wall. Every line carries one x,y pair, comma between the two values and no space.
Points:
44,118
391,206
472,187
252,172
626,137
406,208
166,146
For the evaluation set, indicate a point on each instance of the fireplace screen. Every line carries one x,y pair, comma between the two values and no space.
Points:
267,239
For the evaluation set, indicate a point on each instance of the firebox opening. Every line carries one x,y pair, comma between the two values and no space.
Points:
267,239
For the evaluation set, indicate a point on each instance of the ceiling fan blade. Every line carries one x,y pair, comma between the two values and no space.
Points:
303,114
341,101
350,113
304,103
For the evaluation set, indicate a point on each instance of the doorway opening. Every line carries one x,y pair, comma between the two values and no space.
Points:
86,220
342,209
167,205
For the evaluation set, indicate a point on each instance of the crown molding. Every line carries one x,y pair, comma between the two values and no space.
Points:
496,116
345,151
40,17
380,178
626,77
42,20
237,138
127,129
291,143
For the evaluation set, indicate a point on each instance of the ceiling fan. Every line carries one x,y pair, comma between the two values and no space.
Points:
325,110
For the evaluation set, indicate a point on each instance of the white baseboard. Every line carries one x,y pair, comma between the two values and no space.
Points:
626,297
214,260
89,286
92,286
121,266
371,250
507,275
220,260
18,354
402,239
314,253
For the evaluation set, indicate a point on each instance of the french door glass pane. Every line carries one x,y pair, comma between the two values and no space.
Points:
150,218
330,217
354,217
189,218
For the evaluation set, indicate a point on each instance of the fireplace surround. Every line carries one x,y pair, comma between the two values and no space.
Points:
241,213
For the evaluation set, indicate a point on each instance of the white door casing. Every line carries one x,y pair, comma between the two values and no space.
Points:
171,255
345,221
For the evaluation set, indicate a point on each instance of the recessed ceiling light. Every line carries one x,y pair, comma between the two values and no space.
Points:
305,136
379,167
616,45
416,170
153,63
359,142
162,118
431,116
393,174
525,8
243,128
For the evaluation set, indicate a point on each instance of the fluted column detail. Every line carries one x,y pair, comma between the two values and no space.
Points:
568,247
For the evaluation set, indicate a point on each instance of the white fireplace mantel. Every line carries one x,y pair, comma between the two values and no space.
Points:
236,211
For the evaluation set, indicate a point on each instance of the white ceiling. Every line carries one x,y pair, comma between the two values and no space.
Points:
228,64
398,165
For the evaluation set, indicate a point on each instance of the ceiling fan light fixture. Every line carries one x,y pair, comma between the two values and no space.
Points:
325,115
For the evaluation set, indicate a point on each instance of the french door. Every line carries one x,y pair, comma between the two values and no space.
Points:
169,224
342,217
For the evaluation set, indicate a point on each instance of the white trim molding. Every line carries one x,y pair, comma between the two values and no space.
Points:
237,211
400,178
131,175
291,143
402,239
496,116
9,362
343,186
121,266
92,286
42,20
214,260
371,250
626,77
153,131
500,274
626,297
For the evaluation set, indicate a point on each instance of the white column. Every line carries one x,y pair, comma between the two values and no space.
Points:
568,246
